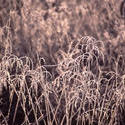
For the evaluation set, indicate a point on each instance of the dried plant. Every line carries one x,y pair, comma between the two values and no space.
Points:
52,78
83,93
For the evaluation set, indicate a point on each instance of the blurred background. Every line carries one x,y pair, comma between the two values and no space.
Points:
42,27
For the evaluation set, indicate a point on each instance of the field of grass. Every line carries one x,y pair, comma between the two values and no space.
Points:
89,88
61,63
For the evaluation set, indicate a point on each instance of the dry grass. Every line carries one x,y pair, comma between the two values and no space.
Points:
80,83
83,93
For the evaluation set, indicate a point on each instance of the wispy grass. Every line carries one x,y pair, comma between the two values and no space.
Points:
83,93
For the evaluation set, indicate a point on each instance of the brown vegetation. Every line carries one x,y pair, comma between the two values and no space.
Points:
50,74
